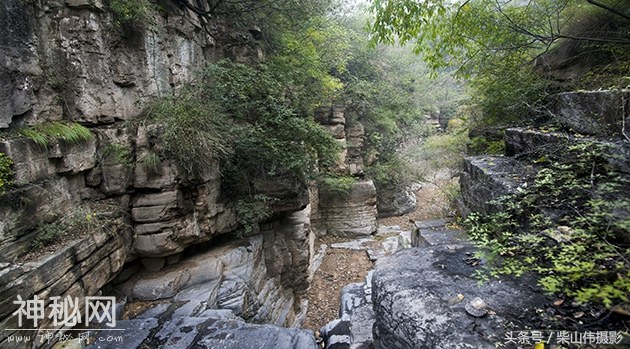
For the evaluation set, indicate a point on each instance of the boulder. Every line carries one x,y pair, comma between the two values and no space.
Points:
593,112
396,202
423,298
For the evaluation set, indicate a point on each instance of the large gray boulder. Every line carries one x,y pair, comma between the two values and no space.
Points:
592,112
395,202
217,329
425,297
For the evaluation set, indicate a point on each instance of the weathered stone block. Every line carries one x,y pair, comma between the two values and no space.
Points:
486,178
350,214
81,268
334,115
166,198
533,143
417,299
116,179
33,162
593,112
95,4
394,202
338,131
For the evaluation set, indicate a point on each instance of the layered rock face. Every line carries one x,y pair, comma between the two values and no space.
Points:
351,213
157,233
80,268
256,277
70,61
599,113
488,177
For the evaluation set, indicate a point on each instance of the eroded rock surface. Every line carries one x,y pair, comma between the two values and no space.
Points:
486,178
79,269
260,278
601,113
214,329
396,203
420,297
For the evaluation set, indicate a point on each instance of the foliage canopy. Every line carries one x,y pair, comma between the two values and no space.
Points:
498,44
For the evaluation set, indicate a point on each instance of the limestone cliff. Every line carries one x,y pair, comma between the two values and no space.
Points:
114,218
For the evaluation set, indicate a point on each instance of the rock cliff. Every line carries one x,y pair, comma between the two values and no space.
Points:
113,220
93,217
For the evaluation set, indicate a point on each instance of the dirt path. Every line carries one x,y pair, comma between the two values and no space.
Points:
341,267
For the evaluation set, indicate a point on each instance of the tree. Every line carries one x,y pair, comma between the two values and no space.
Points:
389,91
496,42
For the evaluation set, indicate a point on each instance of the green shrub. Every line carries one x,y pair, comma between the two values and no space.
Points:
442,152
336,183
151,162
83,220
6,173
121,154
482,145
274,130
45,133
136,12
195,133
568,225
47,233
251,211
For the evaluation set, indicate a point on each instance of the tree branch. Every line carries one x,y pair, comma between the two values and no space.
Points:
608,8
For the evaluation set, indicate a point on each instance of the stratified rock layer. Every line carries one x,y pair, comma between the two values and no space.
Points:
601,113
486,178
349,214
259,278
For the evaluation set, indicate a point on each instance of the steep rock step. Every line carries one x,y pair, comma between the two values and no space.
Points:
592,112
536,143
486,178
353,328
435,232
387,240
